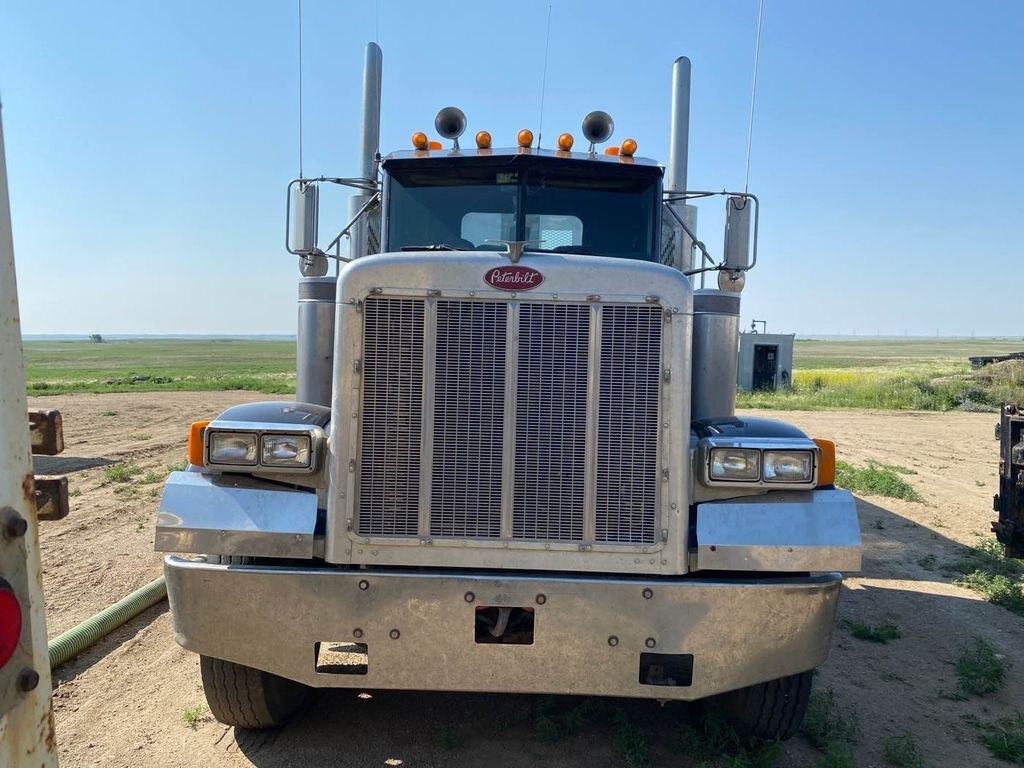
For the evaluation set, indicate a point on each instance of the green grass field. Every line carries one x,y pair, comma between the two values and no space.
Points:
921,374
918,374
58,367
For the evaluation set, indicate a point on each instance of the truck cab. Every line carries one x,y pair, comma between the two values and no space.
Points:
513,462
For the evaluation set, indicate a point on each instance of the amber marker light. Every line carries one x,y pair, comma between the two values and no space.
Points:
195,442
826,462
525,138
434,145
565,141
611,150
628,147
483,140
419,140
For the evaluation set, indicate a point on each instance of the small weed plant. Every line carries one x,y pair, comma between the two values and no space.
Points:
150,477
903,751
1004,738
712,741
192,716
121,473
883,633
986,569
876,479
980,670
827,723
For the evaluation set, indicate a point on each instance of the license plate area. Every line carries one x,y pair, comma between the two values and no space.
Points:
494,625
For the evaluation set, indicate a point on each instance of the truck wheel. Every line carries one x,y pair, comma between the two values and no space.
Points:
247,697
772,710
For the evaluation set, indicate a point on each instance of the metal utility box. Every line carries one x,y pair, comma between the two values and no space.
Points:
765,361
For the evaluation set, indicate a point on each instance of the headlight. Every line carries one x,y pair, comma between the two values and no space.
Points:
285,450
788,466
740,464
233,448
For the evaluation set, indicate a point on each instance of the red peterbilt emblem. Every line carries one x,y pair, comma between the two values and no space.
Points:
514,278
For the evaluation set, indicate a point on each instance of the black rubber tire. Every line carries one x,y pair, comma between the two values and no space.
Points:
247,697
772,710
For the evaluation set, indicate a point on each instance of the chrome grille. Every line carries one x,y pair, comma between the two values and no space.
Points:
627,443
469,415
551,421
534,421
392,417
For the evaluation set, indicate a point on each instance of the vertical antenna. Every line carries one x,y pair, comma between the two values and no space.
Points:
753,95
300,88
544,79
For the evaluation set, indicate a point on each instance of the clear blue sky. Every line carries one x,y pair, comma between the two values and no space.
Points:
149,143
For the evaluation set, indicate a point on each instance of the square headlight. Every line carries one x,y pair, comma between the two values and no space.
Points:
788,466
285,450
237,448
738,464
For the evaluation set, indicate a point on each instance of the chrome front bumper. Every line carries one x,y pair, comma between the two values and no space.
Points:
418,627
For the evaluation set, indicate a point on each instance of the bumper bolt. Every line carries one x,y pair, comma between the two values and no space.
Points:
648,593
14,525
541,599
394,634
650,642
469,597
364,584
28,679
357,633
613,640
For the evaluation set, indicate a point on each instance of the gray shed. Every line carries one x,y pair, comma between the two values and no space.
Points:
765,361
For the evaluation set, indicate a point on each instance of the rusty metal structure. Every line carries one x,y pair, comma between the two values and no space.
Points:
1009,502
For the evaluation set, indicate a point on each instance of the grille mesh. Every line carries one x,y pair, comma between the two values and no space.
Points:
392,417
469,361
627,445
551,421
469,413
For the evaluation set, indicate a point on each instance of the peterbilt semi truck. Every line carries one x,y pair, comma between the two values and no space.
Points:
513,463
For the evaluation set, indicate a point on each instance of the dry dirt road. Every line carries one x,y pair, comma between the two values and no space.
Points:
122,702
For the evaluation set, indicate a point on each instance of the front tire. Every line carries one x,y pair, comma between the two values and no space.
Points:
247,697
771,710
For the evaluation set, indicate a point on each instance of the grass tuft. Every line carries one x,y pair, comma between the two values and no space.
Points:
1004,738
838,754
883,633
903,751
151,477
713,738
986,569
979,669
827,723
192,716
877,479
121,473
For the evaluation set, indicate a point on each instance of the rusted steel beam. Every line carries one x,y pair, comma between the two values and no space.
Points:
51,497
47,429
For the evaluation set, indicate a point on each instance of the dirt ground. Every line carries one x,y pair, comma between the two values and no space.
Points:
122,703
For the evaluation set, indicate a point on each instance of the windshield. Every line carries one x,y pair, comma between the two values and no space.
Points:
563,207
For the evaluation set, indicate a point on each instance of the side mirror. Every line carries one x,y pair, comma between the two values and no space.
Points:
305,218
736,250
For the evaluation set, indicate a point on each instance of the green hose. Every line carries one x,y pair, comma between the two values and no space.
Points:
67,645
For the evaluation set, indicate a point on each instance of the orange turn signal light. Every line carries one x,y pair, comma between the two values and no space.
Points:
483,140
611,150
628,147
525,137
195,442
826,462
565,141
419,140
434,145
